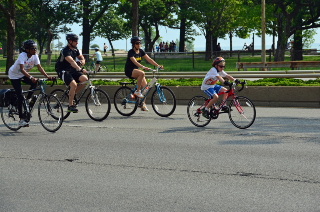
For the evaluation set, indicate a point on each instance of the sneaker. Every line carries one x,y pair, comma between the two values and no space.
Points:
72,109
144,107
205,113
225,108
138,94
23,123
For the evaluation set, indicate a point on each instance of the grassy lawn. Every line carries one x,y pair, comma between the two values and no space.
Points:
188,62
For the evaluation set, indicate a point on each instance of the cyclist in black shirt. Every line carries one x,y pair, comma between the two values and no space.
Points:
69,70
133,64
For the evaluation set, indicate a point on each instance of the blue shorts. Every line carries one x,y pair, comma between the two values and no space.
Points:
212,91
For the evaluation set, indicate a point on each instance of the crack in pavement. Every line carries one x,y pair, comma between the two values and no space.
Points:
240,174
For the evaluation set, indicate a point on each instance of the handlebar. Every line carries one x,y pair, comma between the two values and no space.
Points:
41,81
233,85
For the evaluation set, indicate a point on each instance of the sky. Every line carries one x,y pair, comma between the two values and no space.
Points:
168,34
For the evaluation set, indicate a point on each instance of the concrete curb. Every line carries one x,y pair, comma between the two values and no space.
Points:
269,96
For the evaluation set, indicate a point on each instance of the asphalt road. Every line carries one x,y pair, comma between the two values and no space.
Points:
148,163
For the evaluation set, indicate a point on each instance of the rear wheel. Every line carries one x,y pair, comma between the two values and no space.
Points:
125,102
242,112
98,105
194,111
10,117
64,100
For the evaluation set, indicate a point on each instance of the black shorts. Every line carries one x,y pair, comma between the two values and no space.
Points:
98,62
69,76
128,73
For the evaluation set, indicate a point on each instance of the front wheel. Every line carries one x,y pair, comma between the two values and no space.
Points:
163,101
98,105
125,102
50,113
195,113
242,112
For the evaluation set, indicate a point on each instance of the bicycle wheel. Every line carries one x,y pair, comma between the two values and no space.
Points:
64,100
124,103
50,113
194,111
242,112
98,105
103,68
163,101
10,117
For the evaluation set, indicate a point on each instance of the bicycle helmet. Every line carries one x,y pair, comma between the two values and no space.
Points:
135,39
217,61
29,44
72,37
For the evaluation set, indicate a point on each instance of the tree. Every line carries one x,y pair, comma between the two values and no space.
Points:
112,26
8,8
213,17
292,18
92,11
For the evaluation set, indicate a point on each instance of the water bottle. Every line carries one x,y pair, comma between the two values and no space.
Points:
33,100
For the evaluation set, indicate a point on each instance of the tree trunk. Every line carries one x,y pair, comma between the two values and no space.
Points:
86,29
135,17
182,41
49,51
208,45
297,53
10,14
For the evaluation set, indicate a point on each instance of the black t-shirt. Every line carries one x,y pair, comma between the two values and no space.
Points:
131,53
62,64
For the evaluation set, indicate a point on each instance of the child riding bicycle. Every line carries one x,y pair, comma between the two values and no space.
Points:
210,87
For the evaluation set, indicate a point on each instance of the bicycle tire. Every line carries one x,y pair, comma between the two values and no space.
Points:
50,112
163,101
103,68
98,105
63,97
194,111
10,117
123,102
242,112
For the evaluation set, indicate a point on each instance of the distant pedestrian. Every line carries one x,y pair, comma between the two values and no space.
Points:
105,49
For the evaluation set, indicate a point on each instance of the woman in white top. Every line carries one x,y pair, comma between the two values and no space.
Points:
19,72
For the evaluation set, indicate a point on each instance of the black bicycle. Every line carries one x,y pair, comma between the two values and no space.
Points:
50,111
97,102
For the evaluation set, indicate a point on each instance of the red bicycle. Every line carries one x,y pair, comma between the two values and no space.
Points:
241,110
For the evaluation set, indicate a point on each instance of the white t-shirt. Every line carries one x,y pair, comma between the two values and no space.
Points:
99,56
28,63
211,79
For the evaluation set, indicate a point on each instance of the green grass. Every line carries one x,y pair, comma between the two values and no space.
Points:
187,63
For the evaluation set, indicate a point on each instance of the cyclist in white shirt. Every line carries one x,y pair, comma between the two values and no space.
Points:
19,72
99,58
209,84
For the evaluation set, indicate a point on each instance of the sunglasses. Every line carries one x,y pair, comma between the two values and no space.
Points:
221,66
137,43
34,49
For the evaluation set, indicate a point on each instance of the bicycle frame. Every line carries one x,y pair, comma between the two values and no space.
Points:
149,86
